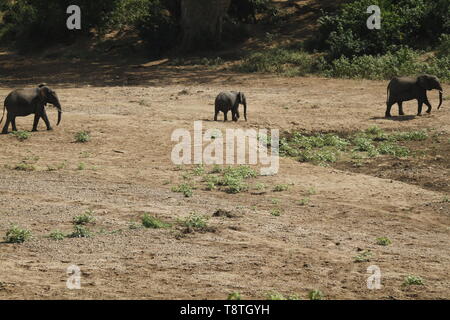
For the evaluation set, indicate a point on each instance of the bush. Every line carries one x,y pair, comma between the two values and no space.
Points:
416,23
17,235
281,61
82,136
153,223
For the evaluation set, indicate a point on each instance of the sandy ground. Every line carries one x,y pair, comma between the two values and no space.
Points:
131,114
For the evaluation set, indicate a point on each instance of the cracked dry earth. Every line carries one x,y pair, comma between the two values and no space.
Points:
128,172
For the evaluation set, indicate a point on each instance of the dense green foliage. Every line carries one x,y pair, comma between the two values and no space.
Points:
415,23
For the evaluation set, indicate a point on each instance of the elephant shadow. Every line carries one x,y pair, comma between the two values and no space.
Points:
396,118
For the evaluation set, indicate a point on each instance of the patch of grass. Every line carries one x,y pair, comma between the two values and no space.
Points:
280,61
279,296
57,235
413,280
276,212
393,150
16,234
198,170
185,189
153,222
21,135
260,186
364,256
446,199
84,218
23,166
281,188
304,201
80,231
315,295
409,136
81,166
234,296
311,191
195,222
82,137
134,226
383,241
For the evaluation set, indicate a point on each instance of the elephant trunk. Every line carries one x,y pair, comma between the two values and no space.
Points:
58,106
440,98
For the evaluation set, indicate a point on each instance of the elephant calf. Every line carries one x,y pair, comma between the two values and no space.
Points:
23,102
405,89
231,100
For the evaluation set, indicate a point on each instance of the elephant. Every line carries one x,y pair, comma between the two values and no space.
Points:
23,102
230,100
405,89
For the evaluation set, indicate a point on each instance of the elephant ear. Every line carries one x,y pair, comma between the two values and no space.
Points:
422,81
43,92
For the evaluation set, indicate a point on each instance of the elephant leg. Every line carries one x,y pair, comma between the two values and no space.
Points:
215,116
13,123
5,127
400,108
225,116
388,110
36,122
428,105
419,110
47,123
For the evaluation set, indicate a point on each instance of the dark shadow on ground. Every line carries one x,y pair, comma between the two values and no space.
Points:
395,118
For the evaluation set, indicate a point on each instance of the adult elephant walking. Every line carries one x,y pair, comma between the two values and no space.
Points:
23,102
405,89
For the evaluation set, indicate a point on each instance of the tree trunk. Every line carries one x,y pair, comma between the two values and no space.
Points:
201,21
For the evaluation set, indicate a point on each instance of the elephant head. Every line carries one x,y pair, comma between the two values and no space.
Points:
243,100
428,82
47,95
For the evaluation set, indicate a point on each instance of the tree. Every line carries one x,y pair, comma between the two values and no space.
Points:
201,22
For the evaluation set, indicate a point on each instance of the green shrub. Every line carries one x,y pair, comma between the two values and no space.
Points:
22,135
84,218
80,232
23,166
184,188
279,61
195,222
413,280
281,187
234,296
153,222
279,296
315,295
17,235
415,23
57,235
383,241
82,136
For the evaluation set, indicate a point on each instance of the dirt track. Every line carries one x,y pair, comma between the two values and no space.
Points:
129,172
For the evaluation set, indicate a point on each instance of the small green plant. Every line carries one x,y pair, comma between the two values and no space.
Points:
364,256
303,202
81,166
22,135
80,232
281,187
184,188
315,295
82,137
17,235
260,186
57,235
23,166
446,199
279,296
276,212
311,191
153,222
195,222
84,218
413,280
234,296
383,241
198,170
